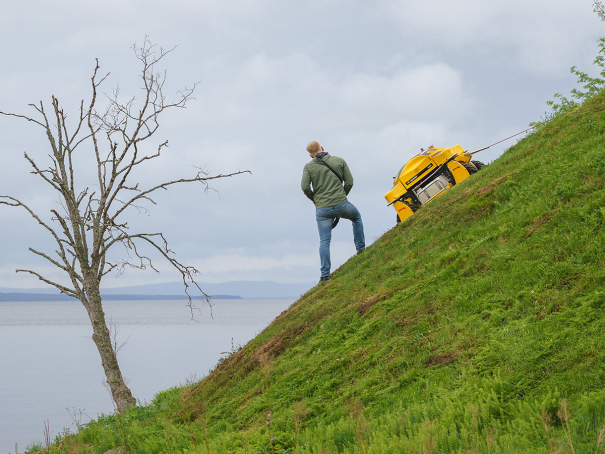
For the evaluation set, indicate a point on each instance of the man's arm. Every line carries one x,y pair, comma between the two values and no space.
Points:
305,184
348,178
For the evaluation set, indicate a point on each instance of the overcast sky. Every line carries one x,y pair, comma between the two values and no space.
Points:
373,81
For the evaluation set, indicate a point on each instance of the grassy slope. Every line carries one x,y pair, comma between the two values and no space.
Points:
454,331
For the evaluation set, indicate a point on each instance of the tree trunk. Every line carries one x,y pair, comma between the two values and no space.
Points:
119,391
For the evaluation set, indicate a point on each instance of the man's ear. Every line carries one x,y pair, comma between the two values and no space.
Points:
322,148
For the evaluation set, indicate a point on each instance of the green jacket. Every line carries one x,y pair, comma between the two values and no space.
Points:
327,189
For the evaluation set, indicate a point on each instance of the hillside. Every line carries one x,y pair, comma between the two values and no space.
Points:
475,326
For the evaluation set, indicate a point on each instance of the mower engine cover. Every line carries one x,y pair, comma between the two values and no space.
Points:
427,176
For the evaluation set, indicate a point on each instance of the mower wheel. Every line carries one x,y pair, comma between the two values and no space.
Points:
469,167
478,164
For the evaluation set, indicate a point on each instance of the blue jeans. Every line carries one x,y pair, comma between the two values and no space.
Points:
325,216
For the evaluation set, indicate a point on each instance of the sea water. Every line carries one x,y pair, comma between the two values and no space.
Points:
50,370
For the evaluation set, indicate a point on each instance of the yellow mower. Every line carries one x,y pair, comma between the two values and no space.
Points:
427,176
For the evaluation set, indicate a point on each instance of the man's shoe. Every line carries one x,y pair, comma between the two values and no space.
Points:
360,251
323,279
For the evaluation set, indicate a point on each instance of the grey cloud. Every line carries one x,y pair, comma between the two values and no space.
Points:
372,81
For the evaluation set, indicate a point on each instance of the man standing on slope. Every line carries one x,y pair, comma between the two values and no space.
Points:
326,173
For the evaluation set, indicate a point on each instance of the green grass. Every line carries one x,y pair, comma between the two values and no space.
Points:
461,330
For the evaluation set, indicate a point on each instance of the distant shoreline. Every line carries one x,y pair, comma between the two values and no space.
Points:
176,290
15,297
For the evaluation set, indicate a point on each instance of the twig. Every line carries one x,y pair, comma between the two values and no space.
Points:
564,416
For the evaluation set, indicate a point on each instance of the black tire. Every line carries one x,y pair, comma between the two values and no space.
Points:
478,164
398,220
449,175
469,168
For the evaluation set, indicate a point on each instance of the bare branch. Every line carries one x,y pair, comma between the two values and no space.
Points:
114,331
41,173
65,290
186,271
54,262
197,178
11,201
77,131
22,116
145,158
58,217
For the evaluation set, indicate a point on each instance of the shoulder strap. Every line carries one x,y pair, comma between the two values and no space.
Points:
333,171
337,219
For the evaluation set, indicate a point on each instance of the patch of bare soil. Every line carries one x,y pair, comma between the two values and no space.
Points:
272,348
371,301
487,188
537,224
441,358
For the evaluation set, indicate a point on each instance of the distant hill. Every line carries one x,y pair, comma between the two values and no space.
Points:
246,289
243,289
62,297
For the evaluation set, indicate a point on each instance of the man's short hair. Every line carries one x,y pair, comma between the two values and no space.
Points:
313,147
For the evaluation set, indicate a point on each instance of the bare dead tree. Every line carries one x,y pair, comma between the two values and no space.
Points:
91,220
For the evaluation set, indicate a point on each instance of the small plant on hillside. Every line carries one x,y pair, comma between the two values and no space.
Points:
47,441
599,9
300,413
362,431
167,436
76,416
204,423
266,367
600,438
564,416
428,440
475,410
194,411
491,433
546,419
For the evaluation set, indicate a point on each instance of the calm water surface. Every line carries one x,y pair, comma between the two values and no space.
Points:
48,361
